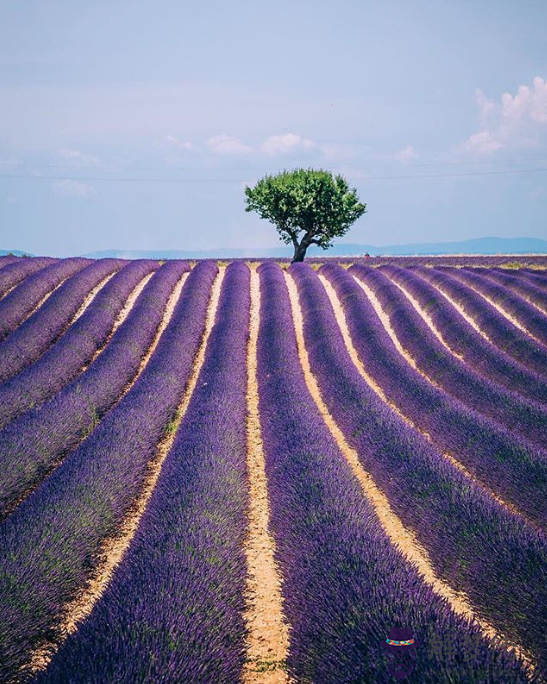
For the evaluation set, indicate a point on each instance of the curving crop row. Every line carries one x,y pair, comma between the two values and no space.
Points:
33,337
18,304
464,340
522,311
520,416
510,467
174,609
6,259
13,273
495,326
63,361
530,291
51,542
474,543
35,442
344,584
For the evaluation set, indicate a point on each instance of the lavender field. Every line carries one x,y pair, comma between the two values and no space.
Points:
253,472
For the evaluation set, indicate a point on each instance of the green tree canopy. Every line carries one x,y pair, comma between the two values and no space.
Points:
307,206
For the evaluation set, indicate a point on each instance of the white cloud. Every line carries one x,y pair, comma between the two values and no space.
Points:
227,144
79,157
180,144
286,144
516,122
406,154
72,188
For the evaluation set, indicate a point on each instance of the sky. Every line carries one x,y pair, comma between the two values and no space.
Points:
137,124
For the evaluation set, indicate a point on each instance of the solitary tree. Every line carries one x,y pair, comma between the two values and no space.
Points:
307,206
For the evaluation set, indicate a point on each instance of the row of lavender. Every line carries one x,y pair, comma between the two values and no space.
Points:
174,609
345,585
474,543
499,330
25,344
37,440
514,468
52,541
65,359
525,417
18,304
464,340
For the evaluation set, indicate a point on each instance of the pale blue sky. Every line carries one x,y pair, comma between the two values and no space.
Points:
214,95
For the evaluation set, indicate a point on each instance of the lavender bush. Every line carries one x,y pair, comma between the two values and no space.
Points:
39,332
64,360
51,542
474,543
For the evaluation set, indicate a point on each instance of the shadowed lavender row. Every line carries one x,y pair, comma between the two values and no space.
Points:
463,339
532,292
65,359
35,442
514,469
523,419
33,337
52,541
495,326
18,304
14,273
522,311
474,543
344,584
173,611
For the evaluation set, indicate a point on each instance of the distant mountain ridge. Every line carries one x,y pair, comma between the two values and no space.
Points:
485,245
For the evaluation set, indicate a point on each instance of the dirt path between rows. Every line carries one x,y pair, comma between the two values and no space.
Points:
402,537
384,318
114,548
123,314
268,639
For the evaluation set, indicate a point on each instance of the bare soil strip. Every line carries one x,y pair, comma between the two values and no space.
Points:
385,322
472,322
124,313
402,537
267,636
90,297
342,324
505,313
44,299
428,320
171,302
114,548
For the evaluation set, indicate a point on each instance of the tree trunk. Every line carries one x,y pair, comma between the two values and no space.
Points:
299,252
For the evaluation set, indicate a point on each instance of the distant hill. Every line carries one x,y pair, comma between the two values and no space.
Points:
486,245
15,252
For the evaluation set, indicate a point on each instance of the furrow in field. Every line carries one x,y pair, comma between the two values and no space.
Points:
483,357
13,274
268,639
466,436
342,324
474,545
37,442
525,418
515,308
63,361
120,318
184,573
16,307
55,538
36,335
330,543
498,329
113,548
534,295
